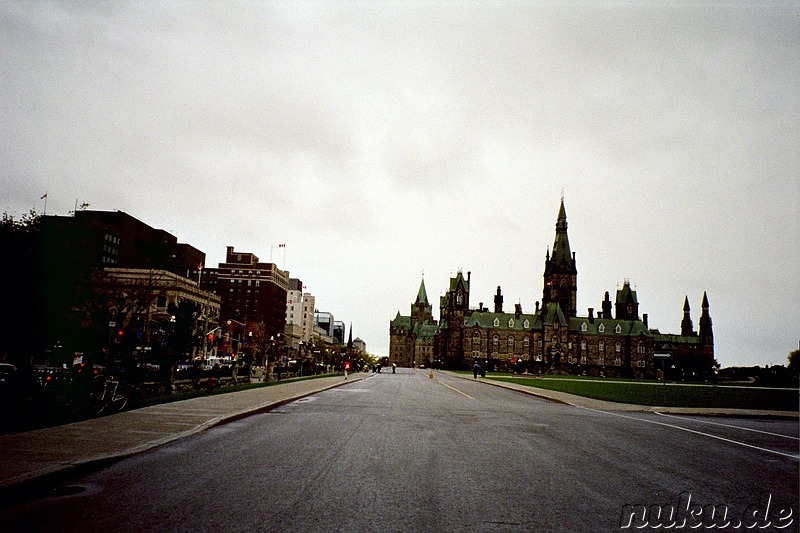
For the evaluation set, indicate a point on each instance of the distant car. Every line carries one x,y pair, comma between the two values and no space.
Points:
9,380
8,374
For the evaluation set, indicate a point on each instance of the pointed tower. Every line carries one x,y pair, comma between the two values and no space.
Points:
560,271
498,301
627,306
706,331
350,338
421,309
687,329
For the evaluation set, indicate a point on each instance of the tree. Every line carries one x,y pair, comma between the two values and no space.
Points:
19,275
794,360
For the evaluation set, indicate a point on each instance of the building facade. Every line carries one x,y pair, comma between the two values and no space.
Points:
252,293
412,337
554,338
299,314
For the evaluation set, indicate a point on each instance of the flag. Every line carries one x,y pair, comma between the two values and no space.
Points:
281,246
43,196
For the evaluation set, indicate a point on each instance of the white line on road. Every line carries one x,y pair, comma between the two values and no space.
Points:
791,456
728,426
455,389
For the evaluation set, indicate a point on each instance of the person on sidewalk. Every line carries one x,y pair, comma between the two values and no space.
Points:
475,369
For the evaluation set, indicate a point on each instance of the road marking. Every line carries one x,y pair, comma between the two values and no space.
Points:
791,456
455,389
729,426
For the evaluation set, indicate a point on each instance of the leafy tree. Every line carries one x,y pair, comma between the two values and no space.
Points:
794,360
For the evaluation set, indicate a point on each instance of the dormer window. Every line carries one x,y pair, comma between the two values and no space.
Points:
584,327
497,322
526,324
618,329
511,322
601,328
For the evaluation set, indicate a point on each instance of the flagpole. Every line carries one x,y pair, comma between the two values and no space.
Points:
45,203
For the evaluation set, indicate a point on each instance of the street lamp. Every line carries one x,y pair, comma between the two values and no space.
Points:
244,327
663,357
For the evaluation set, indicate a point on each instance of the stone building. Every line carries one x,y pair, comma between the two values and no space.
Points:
554,338
412,337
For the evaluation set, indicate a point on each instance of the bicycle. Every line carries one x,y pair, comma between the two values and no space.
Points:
109,395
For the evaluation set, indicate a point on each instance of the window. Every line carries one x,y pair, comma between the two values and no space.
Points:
583,345
601,328
618,329
496,322
526,324
511,342
583,359
602,361
601,347
525,342
511,322
495,340
618,347
617,362
584,327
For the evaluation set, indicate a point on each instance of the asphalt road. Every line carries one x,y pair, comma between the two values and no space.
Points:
405,452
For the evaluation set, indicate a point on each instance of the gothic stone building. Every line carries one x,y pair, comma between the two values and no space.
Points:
614,342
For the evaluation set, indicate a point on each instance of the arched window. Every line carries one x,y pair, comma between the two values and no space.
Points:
511,342
495,340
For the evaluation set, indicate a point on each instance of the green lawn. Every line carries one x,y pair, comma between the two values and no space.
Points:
671,395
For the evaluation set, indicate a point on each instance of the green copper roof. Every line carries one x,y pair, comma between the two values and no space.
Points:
608,326
401,322
625,293
504,321
422,296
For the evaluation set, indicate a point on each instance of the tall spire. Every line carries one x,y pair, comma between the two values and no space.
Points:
560,271
686,323
350,338
561,251
422,295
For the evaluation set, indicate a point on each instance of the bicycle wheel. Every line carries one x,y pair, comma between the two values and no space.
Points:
120,398
99,398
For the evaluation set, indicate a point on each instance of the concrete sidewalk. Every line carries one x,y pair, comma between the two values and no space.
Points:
33,457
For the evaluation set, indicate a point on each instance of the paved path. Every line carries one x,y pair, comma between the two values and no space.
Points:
42,454
47,454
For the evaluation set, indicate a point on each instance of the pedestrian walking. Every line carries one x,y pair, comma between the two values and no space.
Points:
475,369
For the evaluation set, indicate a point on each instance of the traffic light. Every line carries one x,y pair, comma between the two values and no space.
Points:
210,337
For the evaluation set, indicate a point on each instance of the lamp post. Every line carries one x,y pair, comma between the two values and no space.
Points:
663,357
244,327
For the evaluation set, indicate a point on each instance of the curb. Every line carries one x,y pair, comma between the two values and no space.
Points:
23,487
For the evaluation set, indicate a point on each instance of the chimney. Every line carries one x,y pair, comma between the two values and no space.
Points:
644,319
518,310
537,307
591,315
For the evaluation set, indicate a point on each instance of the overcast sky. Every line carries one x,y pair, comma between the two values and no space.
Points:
381,141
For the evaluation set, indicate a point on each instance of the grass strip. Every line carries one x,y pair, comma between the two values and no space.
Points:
670,395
